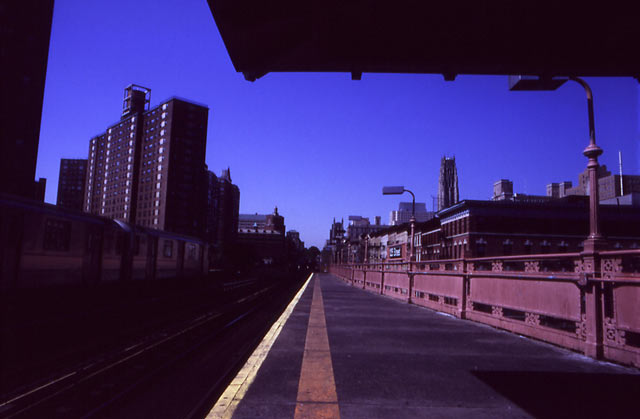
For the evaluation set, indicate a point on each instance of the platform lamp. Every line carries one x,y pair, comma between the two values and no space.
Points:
399,190
596,240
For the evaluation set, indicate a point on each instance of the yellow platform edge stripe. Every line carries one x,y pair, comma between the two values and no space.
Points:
235,391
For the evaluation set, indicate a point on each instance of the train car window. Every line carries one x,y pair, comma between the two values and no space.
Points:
57,235
191,251
168,248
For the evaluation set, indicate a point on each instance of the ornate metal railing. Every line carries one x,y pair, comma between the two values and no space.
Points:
585,302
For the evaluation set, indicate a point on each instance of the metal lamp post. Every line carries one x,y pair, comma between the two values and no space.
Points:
399,190
595,240
593,296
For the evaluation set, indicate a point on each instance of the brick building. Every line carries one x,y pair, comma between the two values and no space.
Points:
473,229
262,236
148,167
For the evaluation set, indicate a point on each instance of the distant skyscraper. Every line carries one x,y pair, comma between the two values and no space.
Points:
448,183
403,214
73,173
148,168
24,50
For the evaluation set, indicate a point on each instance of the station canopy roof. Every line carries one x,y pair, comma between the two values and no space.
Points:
448,37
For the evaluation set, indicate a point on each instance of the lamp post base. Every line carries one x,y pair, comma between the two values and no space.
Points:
594,245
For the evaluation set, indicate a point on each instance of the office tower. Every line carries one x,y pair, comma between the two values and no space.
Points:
448,183
73,173
24,50
147,168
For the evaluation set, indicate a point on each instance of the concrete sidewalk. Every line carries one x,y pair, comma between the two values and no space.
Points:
388,359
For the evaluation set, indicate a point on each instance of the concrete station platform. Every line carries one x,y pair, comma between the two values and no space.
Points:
346,352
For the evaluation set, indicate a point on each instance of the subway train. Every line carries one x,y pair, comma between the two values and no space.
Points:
42,245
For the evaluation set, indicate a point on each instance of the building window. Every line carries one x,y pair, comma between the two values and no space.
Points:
507,247
545,247
481,248
528,247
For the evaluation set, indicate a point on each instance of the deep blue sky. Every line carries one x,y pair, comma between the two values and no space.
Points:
319,145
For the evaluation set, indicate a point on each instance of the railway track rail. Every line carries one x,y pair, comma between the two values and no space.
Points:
92,389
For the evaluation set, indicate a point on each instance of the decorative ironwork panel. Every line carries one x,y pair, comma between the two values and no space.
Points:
613,335
533,266
581,327
532,319
583,266
611,267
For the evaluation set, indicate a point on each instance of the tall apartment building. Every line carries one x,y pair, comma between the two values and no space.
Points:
25,29
147,168
448,183
72,176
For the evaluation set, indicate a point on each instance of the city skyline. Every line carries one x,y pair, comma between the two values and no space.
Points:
321,146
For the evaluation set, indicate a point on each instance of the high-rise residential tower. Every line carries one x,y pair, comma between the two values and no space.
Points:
147,168
73,173
448,183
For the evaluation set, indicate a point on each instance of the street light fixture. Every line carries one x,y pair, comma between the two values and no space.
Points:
595,241
399,190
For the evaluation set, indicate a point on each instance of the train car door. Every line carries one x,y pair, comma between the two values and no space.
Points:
180,261
92,260
124,247
152,257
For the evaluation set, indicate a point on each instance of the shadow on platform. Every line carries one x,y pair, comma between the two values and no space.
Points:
564,394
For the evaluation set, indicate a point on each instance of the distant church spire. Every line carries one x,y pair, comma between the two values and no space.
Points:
448,183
